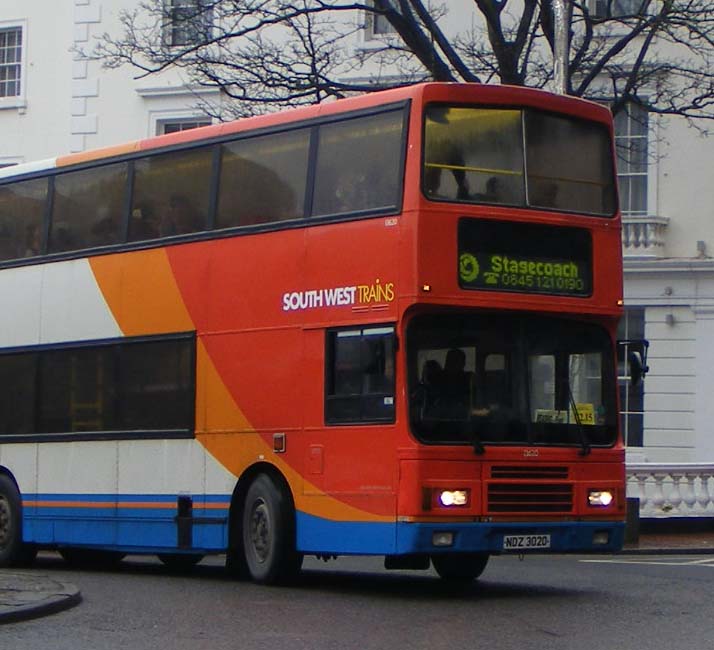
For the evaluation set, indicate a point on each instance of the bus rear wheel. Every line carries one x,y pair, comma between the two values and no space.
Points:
12,550
269,533
460,567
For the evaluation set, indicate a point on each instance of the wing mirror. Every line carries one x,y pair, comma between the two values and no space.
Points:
636,350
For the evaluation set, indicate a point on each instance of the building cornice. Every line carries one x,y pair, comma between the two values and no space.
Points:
169,91
669,265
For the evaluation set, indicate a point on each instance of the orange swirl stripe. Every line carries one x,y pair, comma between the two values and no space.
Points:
141,291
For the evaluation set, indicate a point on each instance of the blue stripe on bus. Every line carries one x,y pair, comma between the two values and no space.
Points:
488,537
316,535
136,522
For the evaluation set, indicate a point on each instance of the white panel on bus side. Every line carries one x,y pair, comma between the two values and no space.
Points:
20,289
73,307
161,467
21,460
79,468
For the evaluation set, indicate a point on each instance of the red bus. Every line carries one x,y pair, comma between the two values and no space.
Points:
378,326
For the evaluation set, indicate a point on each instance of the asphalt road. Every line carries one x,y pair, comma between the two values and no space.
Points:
542,603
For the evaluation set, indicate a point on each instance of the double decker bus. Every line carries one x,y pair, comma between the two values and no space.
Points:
379,326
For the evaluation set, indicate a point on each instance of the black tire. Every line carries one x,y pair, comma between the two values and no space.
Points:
180,561
269,533
13,552
460,567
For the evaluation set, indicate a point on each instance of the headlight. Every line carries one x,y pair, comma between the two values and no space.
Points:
449,498
600,498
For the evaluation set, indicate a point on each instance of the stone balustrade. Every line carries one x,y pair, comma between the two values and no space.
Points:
672,490
644,236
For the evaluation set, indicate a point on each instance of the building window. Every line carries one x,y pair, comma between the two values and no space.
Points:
377,24
632,398
188,22
11,62
631,126
174,126
602,9
360,375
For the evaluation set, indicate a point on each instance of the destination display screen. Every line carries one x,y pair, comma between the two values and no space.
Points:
525,258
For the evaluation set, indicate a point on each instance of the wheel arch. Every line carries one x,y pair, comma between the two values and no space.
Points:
4,471
235,513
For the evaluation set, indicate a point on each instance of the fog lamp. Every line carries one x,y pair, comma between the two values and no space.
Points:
442,538
449,498
600,498
601,538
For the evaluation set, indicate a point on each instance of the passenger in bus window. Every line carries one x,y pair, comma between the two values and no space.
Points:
144,224
446,156
493,191
351,192
33,240
6,243
455,384
106,228
63,238
430,386
180,217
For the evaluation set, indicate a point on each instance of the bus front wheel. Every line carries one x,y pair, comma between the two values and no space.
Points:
12,550
269,532
460,567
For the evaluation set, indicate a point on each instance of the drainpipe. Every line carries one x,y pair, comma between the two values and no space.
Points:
561,19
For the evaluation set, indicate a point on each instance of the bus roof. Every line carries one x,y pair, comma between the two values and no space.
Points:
458,93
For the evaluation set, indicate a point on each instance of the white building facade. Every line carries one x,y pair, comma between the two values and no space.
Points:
60,101
54,100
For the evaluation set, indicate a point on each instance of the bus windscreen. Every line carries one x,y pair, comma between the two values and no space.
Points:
521,379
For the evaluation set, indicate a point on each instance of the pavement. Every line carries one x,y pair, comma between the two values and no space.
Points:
26,594
672,543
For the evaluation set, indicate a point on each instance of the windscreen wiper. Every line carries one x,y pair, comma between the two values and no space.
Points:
584,442
476,443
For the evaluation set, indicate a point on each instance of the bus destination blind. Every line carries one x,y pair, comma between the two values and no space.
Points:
524,258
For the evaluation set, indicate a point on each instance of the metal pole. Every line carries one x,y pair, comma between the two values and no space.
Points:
561,19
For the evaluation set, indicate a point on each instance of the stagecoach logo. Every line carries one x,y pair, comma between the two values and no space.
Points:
468,267
361,294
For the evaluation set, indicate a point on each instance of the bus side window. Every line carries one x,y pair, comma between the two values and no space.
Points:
358,164
263,179
171,194
88,208
360,375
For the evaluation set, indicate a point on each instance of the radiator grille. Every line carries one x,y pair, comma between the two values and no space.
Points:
530,497
529,472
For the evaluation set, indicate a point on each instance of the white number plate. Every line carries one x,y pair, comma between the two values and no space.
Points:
520,542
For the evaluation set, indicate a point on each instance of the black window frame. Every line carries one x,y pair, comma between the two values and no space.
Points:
187,23
12,46
363,401
602,10
114,346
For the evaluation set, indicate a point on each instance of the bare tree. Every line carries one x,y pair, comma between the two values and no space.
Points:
275,53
